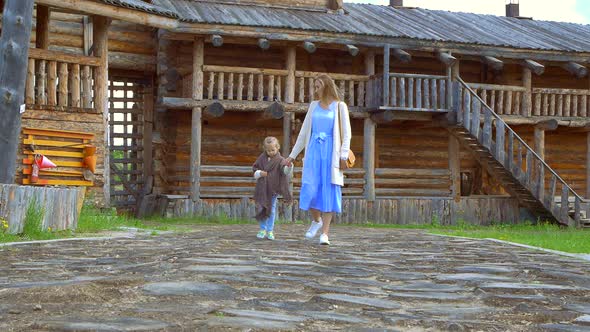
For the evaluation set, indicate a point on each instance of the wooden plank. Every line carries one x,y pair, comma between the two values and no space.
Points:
527,94
195,168
75,86
220,85
577,211
550,198
403,172
67,144
564,204
369,158
393,93
57,133
510,155
475,117
52,83
30,84
49,182
240,87
56,153
529,171
41,54
433,100
466,109
402,92
500,135
41,82
86,77
541,182
291,68
385,89
48,172
244,70
271,85
410,93
63,84
418,93
455,167
487,128
28,161
260,93
198,75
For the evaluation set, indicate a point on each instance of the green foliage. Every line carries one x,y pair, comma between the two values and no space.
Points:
93,220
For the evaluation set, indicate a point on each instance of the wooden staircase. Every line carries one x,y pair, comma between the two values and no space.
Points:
512,162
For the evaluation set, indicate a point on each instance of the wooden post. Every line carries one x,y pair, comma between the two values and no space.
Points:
291,67
196,123
14,51
370,62
455,167
540,142
100,36
288,119
148,125
527,100
198,61
42,29
195,168
385,101
369,158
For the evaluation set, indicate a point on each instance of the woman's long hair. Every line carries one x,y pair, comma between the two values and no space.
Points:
330,91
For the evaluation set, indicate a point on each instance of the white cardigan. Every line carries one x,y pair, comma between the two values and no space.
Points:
339,150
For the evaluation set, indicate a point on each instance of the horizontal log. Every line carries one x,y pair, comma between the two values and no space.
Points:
41,54
518,120
403,172
244,70
413,182
309,47
435,77
275,111
494,63
446,58
264,43
576,69
352,50
242,105
217,40
334,76
497,87
411,192
551,124
534,66
401,55
387,116
214,110
580,92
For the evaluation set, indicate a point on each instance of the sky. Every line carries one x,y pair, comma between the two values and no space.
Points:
577,11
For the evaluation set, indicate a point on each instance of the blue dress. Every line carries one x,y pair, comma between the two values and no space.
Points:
317,190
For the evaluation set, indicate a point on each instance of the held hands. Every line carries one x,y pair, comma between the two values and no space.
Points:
287,162
343,164
263,173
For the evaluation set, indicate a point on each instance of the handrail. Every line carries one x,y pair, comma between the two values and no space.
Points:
335,76
436,77
245,70
558,91
498,87
42,54
519,138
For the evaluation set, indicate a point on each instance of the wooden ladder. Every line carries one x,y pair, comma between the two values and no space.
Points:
507,157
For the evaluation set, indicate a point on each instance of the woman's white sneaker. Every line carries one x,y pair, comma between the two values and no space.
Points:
313,229
324,239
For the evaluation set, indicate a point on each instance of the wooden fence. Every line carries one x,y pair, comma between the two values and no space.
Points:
503,99
58,79
560,102
59,207
241,83
352,88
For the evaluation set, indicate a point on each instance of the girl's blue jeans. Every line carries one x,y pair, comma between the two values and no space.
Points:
269,224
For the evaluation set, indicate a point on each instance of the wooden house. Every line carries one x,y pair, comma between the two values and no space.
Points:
454,115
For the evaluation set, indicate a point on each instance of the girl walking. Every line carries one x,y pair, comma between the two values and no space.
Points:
270,172
325,136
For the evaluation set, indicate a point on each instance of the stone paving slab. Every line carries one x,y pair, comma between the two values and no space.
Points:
221,278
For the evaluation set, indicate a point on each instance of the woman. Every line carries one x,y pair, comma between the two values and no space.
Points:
326,151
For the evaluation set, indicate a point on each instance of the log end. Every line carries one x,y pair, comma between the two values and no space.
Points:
275,111
215,110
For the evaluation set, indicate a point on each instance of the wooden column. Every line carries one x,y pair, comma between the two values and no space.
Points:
540,142
196,123
370,62
385,101
290,84
369,158
455,167
42,29
148,125
14,52
527,100
588,164
100,36
288,119
196,154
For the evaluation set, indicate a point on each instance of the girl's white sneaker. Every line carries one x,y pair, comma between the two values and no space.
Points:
324,239
313,229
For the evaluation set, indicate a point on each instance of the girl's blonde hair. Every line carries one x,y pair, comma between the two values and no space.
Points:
330,91
269,141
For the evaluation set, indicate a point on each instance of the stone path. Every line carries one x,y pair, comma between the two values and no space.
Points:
222,278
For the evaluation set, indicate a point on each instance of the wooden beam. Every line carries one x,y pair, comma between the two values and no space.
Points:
195,166
101,50
370,62
576,69
17,20
198,62
534,66
455,167
369,159
309,47
550,124
588,165
446,58
275,111
495,63
384,117
42,28
264,43
540,142
89,7
217,40
291,69
527,100
564,122
386,69
215,110
401,55
352,50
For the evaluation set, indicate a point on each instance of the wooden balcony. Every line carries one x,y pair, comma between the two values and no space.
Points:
62,81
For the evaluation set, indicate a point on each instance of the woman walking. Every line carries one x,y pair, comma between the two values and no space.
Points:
325,136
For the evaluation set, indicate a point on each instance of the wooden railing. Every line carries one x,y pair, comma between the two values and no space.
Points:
561,102
352,88
241,83
504,99
60,79
410,92
515,155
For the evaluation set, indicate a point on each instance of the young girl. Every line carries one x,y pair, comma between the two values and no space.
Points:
270,172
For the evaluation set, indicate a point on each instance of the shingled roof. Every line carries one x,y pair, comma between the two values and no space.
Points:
385,21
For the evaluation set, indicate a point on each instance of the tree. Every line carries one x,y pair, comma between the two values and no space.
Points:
14,52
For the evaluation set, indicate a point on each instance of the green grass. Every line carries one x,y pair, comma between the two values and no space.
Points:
32,228
93,220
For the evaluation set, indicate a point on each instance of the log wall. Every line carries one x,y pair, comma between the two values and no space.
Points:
476,210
